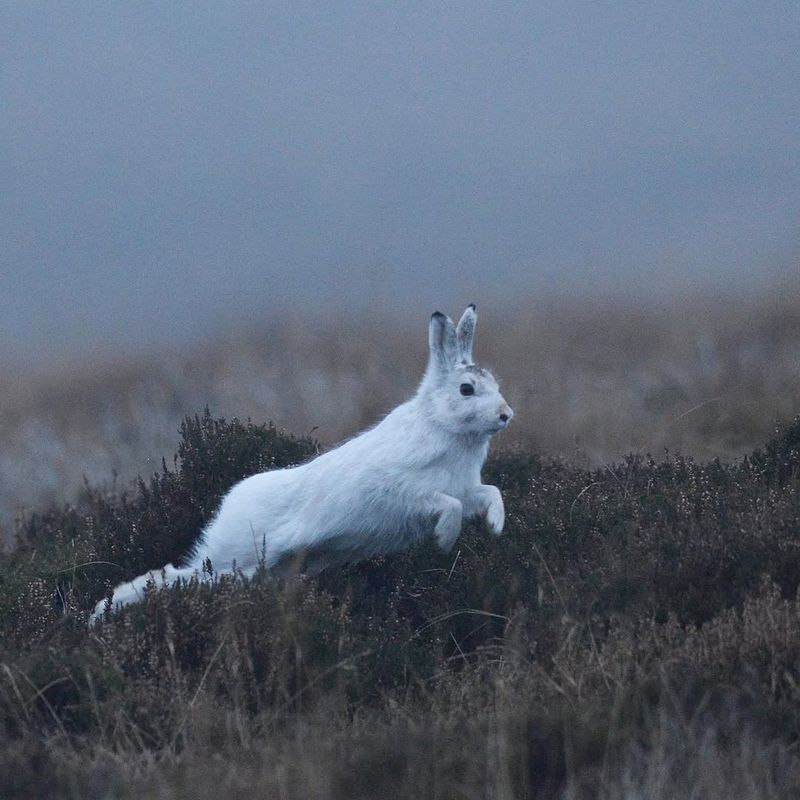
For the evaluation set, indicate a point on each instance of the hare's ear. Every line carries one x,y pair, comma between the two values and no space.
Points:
442,343
465,333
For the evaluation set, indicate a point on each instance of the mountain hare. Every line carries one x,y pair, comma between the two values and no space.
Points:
417,472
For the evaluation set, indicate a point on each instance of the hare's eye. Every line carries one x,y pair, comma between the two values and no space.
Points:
466,389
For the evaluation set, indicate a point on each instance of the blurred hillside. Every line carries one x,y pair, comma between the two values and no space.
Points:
588,381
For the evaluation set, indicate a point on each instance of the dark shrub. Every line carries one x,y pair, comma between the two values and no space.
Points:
625,590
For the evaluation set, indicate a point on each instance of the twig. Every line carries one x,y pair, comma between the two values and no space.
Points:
695,408
324,674
199,687
88,564
39,695
17,692
552,579
613,475
455,641
450,614
455,561
580,494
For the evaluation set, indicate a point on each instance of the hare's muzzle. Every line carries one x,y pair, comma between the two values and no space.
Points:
505,414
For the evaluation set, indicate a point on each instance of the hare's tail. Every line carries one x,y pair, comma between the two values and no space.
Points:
132,591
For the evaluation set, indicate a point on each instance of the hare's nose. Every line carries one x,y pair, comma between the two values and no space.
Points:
504,417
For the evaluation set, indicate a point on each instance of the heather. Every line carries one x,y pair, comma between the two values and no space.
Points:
635,632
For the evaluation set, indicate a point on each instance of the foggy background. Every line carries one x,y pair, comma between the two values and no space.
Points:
169,168
256,206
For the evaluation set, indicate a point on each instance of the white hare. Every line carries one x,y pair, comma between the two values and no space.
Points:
417,472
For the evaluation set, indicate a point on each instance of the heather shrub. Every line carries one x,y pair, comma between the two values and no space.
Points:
621,603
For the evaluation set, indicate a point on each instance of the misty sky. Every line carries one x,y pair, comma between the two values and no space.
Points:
167,166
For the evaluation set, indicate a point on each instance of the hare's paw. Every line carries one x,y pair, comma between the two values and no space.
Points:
495,512
448,526
446,531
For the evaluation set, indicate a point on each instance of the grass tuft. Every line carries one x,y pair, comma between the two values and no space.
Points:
635,632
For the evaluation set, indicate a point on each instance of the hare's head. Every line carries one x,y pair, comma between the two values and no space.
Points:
459,395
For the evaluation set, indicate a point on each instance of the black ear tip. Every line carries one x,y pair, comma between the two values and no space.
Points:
437,315
472,306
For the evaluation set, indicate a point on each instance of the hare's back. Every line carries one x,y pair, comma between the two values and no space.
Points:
254,508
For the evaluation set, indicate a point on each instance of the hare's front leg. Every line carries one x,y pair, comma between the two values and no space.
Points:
448,525
486,500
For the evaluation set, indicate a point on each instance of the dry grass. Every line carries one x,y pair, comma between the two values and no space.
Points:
634,634
590,381
497,747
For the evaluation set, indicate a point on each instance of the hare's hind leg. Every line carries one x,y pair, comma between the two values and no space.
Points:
133,591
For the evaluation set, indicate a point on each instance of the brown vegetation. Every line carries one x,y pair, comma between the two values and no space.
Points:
635,633
710,377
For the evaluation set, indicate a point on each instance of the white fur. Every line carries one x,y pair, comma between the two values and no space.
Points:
415,473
